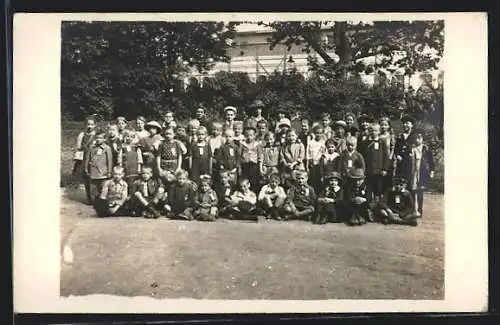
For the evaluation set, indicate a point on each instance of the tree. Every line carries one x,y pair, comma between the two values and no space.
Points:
410,45
126,68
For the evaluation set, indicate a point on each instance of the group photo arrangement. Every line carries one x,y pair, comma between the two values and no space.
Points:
353,170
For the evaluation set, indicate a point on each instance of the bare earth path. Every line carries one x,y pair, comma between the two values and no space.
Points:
266,260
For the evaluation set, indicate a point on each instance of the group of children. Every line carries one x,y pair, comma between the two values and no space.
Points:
284,169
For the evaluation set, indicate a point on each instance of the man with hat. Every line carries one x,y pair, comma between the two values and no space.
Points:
229,115
329,199
402,148
364,122
256,107
356,198
397,206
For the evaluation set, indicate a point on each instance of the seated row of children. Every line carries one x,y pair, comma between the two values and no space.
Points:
181,198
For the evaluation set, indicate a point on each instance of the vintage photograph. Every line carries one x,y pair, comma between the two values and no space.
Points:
256,160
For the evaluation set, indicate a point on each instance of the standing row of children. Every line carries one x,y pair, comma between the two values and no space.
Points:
325,171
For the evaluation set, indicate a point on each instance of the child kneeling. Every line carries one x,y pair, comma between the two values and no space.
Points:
148,197
272,197
181,196
398,205
113,195
205,203
301,199
330,199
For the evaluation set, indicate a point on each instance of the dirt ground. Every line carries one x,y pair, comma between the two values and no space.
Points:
237,260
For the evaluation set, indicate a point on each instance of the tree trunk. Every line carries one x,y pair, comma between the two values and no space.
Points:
342,47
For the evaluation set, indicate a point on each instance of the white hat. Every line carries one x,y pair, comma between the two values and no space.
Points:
284,121
230,108
154,124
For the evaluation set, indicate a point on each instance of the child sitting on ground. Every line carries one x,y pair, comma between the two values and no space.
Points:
272,197
181,196
113,195
205,203
329,200
397,206
357,198
301,199
243,202
148,196
224,190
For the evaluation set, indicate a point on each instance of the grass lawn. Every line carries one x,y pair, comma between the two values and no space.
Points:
237,260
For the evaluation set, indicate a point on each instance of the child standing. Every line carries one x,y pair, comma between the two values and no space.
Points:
421,169
377,163
200,156
181,196
205,203
130,158
148,196
300,200
229,156
121,123
402,148
356,198
168,120
282,128
387,136
243,203
193,127
272,197
397,206
169,156
350,159
239,137
140,129
98,163
229,114
314,155
114,141
113,195
364,133
250,159
329,199
216,140
351,129
150,144
340,142
269,154
330,162
84,141
326,122
291,157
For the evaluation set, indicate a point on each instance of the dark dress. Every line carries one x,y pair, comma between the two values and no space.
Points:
201,154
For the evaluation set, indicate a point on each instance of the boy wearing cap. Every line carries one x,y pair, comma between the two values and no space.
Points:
206,201
272,197
301,199
377,162
329,199
148,196
397,206
356,198
402,148
229,115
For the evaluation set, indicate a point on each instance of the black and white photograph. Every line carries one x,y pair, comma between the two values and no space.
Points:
254,159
